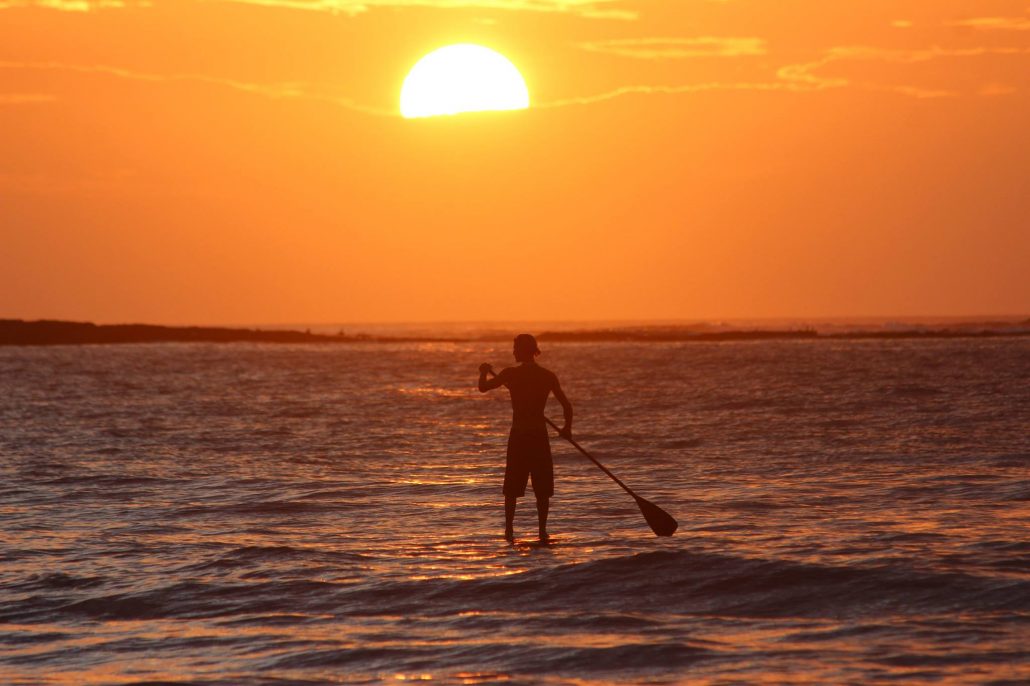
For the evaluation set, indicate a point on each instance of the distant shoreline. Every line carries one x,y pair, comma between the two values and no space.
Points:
52,332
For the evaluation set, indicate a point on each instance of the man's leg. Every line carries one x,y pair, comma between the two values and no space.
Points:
543,505
509,517
543,489
516,474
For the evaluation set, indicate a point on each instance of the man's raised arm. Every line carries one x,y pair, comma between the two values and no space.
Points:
486,383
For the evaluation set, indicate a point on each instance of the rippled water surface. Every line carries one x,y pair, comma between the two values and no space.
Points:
850,512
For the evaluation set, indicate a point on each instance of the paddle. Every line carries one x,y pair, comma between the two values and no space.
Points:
660,521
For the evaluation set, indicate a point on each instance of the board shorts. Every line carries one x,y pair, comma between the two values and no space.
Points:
529,455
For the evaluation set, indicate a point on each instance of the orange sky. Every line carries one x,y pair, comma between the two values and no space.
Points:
182,161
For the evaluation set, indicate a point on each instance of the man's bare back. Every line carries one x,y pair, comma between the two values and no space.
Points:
530,385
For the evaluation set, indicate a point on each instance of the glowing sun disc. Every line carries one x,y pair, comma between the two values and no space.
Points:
462,78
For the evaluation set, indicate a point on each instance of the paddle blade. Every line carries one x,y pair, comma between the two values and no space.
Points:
660,521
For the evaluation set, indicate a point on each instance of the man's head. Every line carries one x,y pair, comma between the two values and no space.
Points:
526,348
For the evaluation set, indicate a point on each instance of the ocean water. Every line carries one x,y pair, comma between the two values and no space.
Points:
850,512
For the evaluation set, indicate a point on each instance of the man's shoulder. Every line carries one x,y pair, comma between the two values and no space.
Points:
529,372
507,373
544,371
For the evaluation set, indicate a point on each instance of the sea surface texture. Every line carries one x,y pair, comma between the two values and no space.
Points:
851,512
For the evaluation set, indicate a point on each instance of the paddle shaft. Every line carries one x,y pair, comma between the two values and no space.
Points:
590,457
593,459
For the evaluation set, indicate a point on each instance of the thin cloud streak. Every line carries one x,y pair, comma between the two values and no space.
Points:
994,23
71,5
280,91
677,48
668,90
802,77
592,9
805,73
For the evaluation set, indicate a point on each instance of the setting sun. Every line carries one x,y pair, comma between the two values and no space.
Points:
462,78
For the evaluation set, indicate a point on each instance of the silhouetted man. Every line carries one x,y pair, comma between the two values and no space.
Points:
529,447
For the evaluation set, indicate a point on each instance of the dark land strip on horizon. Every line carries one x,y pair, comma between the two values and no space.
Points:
53,332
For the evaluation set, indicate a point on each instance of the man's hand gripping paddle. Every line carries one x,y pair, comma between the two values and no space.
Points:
660,521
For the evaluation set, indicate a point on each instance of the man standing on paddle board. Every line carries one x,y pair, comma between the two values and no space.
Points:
529,446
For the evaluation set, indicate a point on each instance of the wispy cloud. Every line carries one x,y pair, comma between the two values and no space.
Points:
677,48
72,5
918,55
995,23
26,98
808,73
807,76
277,91
594,9
667,90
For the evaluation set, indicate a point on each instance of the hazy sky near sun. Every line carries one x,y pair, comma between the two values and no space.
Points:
243,161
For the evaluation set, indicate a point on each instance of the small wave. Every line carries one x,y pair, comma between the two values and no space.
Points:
271,619
912,391
704,583
521,657
337,494
367,658
839,423
248,556
299,413
1018,461
107,450
108,480
262,507
54,581
1004,546
38,637
665,581
740,404
909,537
753,504
194,599
681,443
668,655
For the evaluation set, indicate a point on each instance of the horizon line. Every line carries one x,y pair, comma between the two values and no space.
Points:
646,321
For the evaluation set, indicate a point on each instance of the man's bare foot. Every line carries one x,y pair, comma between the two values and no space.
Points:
509,534
544,538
